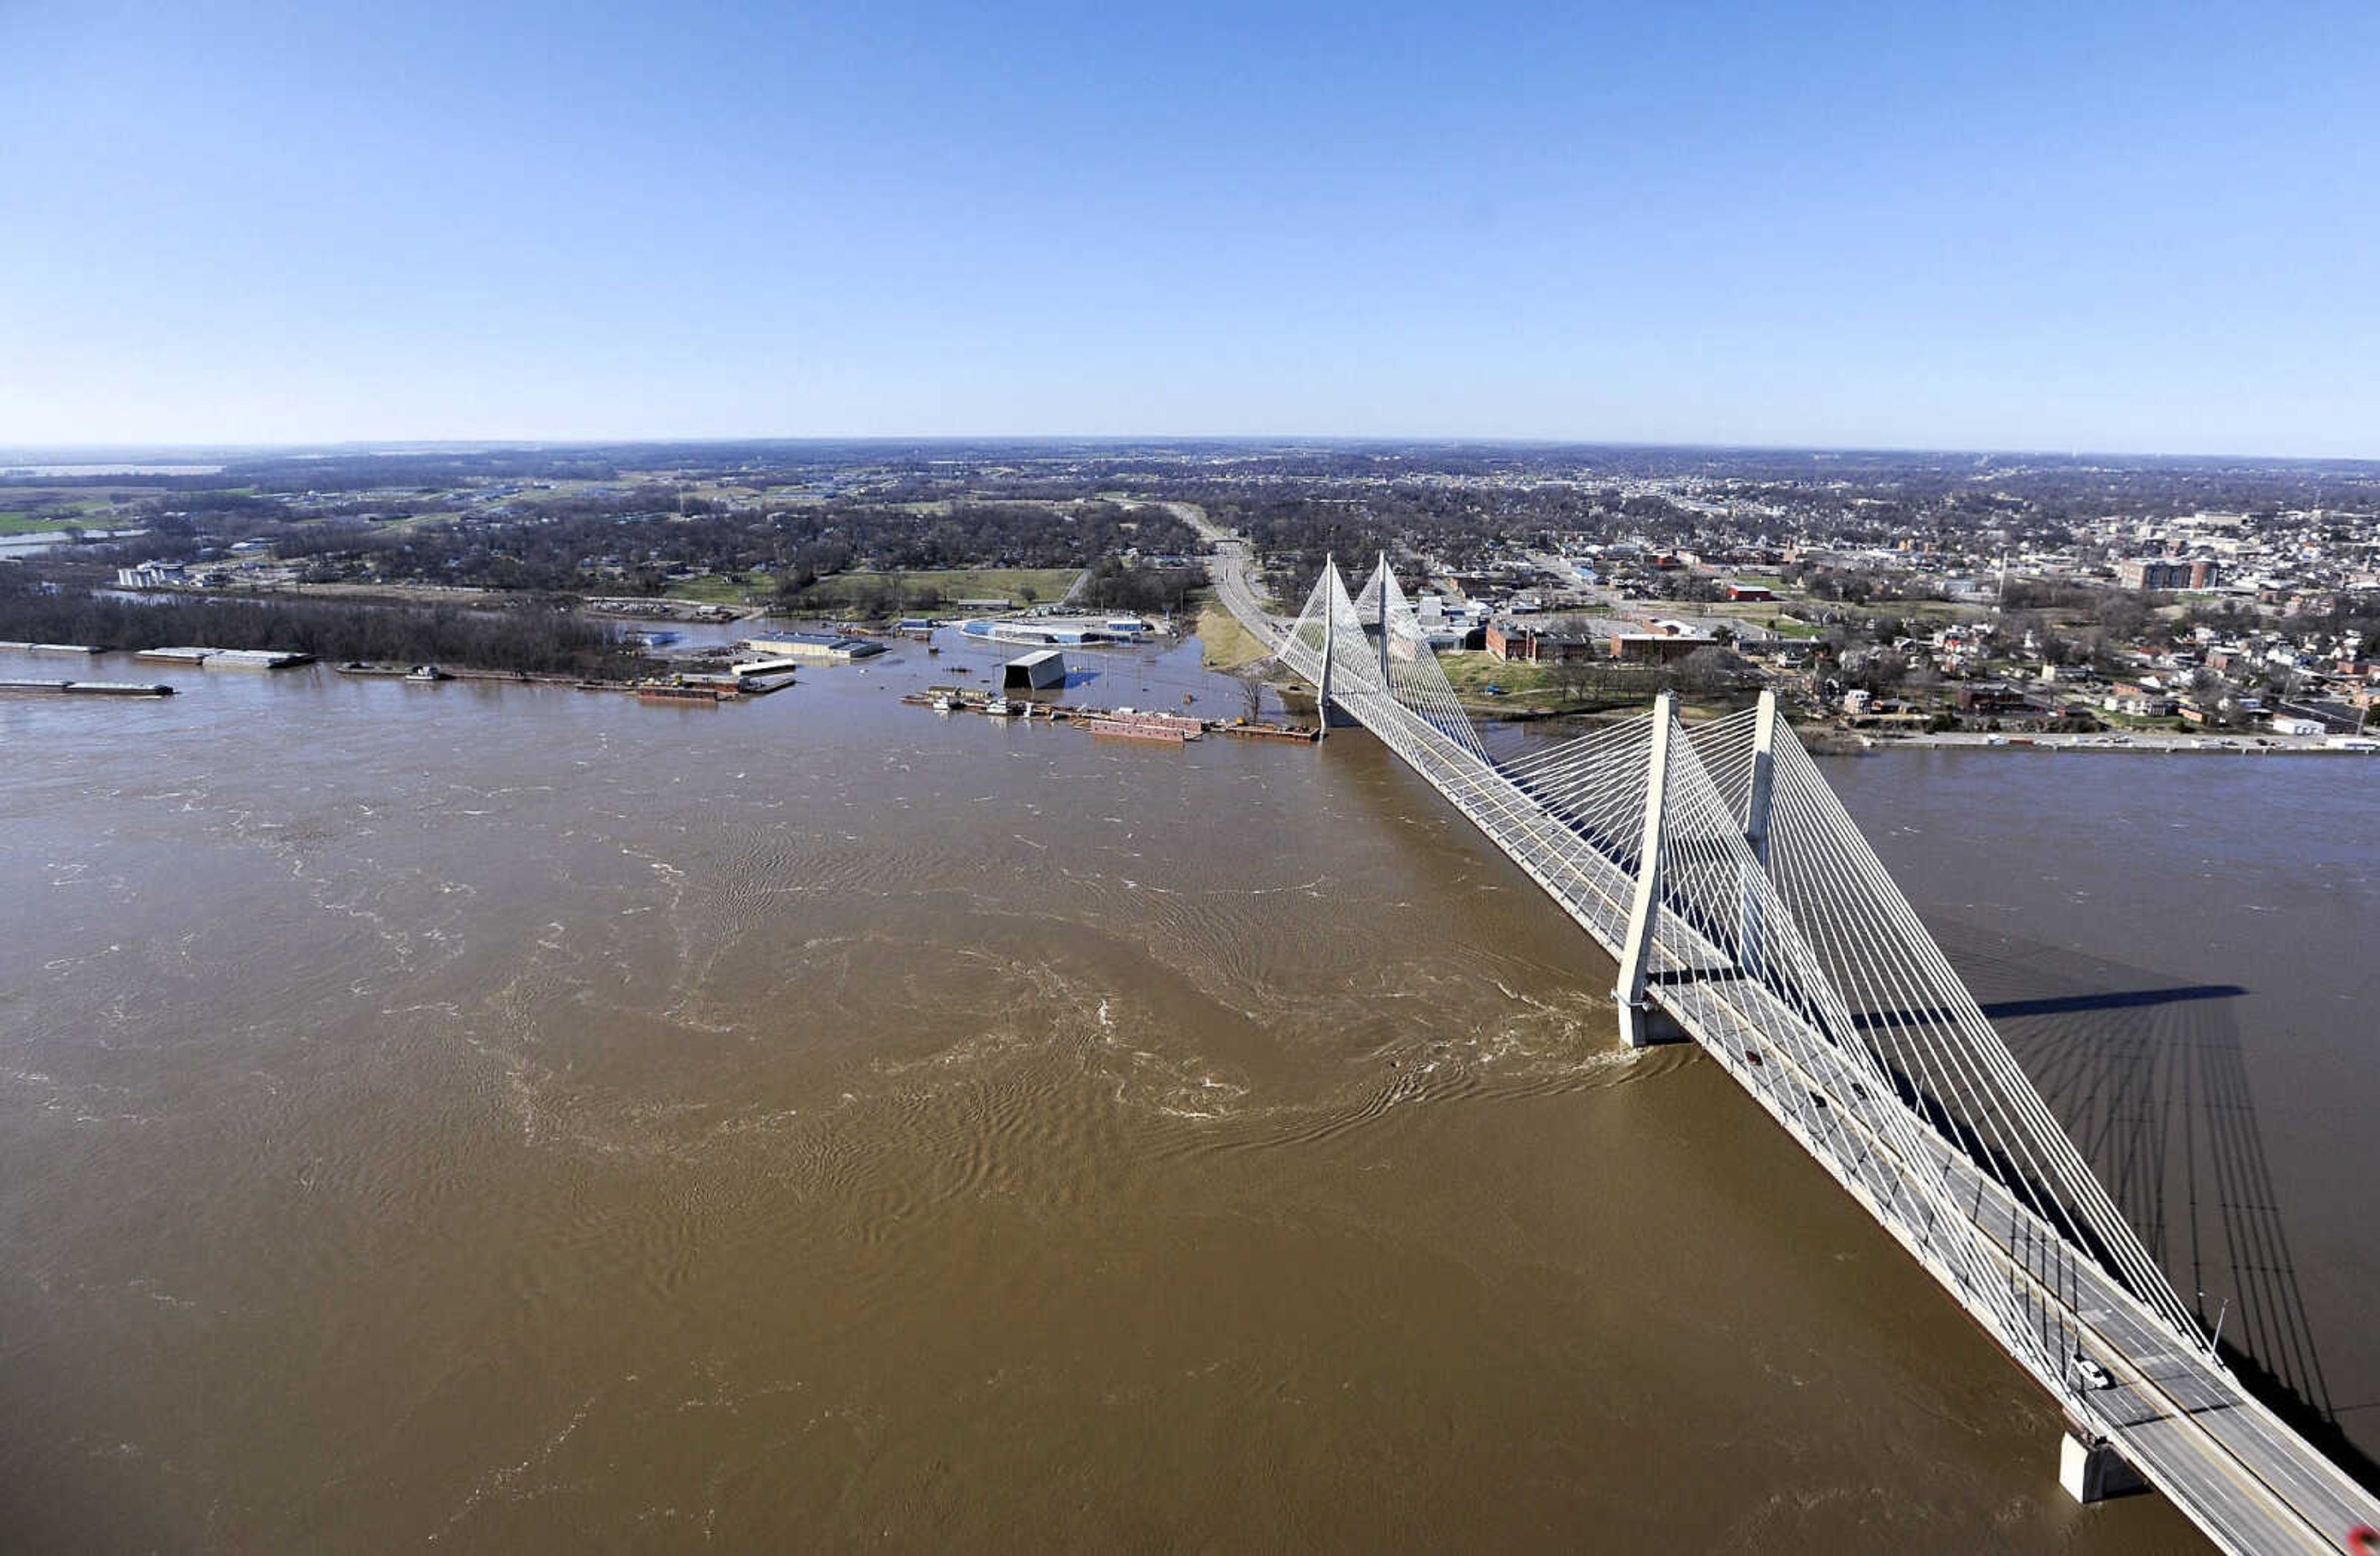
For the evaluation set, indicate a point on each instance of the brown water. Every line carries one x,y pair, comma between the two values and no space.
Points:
2182,950
504,1119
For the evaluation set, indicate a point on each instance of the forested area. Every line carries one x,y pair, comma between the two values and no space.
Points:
535,637
1115,585
635,541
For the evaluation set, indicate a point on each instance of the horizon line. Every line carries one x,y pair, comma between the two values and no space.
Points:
22,453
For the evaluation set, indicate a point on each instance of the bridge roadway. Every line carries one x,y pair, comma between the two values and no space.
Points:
2173,1413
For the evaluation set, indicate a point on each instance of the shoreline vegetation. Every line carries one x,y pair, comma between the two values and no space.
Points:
531,637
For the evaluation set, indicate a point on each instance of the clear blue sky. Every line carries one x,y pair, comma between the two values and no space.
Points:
2105,225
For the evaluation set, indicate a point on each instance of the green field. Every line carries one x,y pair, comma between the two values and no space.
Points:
22,523
1048,585
1528,687
1472,671
716,589
56,510
1523,685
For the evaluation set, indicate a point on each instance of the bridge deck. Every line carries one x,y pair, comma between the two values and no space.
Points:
2248,1481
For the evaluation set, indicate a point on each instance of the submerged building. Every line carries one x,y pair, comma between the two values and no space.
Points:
1060,631
1040,671
814,645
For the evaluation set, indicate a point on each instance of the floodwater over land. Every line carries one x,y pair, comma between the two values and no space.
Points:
509,1118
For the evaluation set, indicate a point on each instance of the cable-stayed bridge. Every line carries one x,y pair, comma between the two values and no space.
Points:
1747,913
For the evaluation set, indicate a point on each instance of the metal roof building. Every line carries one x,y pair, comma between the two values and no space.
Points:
815,645
1038,670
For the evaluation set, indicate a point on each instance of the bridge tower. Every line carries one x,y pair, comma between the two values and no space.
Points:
1756,825
1384,621
1329,631
1636,949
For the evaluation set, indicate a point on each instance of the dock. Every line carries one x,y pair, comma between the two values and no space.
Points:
1248,730
1111,729
1127,720
1123,723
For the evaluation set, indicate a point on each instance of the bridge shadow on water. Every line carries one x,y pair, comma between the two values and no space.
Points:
2151,1080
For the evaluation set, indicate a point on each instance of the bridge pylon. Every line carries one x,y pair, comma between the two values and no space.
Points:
1752,929
1330,649
1645,908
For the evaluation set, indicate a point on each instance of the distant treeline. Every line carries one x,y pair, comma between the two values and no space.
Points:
634,541
537,638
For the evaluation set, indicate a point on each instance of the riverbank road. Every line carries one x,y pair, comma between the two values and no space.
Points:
2155,743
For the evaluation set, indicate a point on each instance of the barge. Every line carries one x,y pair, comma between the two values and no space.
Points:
90,689
225,659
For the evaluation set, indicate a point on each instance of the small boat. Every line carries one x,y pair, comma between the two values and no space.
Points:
1001,708
944,703
424,674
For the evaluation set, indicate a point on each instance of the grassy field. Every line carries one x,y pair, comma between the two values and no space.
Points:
1524,686
21,521
714,589
1048,585
1472,671
1224,643
26,510
1537,687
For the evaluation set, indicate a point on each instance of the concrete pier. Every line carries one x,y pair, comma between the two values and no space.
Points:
2092,1473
